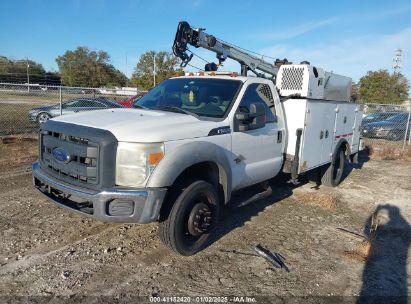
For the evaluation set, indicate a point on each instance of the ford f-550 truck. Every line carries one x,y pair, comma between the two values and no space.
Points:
193,140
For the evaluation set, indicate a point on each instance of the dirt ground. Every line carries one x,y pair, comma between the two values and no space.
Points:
331,242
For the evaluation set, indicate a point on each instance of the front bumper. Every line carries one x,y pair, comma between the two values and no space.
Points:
111,205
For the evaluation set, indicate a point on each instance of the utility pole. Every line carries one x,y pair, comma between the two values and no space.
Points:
154,69
28,76
396,65
126,65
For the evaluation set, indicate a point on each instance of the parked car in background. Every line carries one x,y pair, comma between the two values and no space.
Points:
128,103
378,116
392,128
42,114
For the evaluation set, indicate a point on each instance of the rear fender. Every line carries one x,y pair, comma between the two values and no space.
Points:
340,144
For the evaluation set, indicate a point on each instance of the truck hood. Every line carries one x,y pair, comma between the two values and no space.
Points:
138,125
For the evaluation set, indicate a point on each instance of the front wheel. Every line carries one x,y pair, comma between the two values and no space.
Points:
192,219
394,135
332,173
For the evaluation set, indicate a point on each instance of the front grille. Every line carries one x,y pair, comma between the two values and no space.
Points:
82,164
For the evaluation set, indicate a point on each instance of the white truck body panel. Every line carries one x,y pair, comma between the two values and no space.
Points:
312,82
323,123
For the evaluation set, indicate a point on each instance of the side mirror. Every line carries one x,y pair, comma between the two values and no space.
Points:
255,119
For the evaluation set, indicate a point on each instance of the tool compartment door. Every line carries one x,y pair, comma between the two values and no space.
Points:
317,136
328,110
344,122
355,143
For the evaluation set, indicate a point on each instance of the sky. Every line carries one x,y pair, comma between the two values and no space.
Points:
347,37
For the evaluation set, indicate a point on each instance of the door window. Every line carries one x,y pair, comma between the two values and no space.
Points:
259,93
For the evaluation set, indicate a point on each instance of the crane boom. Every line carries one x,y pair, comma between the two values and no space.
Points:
198,38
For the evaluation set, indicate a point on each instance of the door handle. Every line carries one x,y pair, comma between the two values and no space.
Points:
279,136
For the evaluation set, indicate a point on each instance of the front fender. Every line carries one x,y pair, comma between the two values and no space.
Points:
186,155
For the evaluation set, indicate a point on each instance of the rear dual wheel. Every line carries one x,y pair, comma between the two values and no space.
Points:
332,173
192,219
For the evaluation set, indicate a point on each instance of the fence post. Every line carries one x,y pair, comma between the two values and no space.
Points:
61,101
406,129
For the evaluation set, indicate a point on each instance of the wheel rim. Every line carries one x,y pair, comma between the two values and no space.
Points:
395,135
43,117
200,219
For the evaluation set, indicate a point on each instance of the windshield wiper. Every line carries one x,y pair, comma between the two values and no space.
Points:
177,110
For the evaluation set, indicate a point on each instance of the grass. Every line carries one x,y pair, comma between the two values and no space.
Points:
14,116
51,97
14,119
18,150
325,201
26,96
388,150
366,247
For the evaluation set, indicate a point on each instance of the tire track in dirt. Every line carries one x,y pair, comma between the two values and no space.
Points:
31,259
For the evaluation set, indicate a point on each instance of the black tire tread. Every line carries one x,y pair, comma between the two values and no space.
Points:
166,227
327,173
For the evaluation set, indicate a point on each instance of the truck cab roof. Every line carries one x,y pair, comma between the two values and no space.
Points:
218,75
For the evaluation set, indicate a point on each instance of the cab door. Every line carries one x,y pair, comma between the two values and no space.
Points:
257,153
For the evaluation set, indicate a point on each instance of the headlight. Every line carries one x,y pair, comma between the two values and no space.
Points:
135,162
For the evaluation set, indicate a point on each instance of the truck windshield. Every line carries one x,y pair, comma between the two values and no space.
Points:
200,96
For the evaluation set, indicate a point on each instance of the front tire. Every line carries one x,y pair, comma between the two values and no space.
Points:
332,173
394,135
192,219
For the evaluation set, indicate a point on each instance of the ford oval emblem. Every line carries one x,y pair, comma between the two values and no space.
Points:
61,155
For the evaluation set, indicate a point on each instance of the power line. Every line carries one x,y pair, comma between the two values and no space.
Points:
195,67
206,61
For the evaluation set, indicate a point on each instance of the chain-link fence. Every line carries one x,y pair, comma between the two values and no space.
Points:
23,107
386,128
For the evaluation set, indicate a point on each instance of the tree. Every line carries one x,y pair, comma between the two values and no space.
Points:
166,67
354,91
15,71
83,67
383,87
20,66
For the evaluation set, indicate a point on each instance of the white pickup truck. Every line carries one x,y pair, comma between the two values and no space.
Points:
192,141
